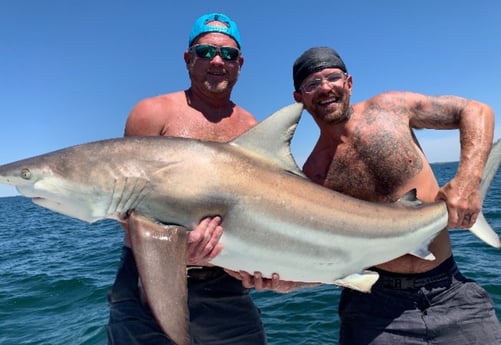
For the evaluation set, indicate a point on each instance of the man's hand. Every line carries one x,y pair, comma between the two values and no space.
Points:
463,202
203,241
274,284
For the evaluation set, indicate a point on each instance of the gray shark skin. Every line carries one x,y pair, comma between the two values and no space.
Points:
274,219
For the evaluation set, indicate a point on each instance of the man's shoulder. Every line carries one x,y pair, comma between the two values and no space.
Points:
160,104
394,96
151,116
381,97
389,103
162,100
246,115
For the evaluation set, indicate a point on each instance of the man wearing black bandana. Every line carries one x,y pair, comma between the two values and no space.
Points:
368,150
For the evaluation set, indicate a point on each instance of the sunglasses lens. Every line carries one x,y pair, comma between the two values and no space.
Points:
229,53
205,51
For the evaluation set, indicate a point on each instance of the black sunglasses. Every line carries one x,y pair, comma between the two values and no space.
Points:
207,51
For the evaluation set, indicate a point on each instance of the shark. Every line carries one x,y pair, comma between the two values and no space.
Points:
275,220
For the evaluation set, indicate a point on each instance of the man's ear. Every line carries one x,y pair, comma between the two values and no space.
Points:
187,57
349,83
298,97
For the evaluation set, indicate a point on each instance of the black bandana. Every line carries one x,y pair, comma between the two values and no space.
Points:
314,60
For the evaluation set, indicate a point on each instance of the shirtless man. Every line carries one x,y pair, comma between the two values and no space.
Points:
368,150
203,111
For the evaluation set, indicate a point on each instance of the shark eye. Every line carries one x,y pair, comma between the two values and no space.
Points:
26,173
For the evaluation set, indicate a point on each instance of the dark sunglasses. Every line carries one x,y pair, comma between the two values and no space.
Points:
207,51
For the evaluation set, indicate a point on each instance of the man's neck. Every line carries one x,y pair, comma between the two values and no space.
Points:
215,107
209,99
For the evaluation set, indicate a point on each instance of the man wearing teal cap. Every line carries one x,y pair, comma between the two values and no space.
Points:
221,309
202,26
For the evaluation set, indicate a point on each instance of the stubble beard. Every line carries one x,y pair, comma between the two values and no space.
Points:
220,87
340,114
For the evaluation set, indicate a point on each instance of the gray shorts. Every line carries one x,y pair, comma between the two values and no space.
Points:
221,310
440,307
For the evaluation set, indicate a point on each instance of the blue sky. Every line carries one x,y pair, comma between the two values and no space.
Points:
70,71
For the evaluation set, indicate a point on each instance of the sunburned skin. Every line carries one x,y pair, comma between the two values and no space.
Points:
374,156
372,164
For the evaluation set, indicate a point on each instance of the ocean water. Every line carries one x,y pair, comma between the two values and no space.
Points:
55,273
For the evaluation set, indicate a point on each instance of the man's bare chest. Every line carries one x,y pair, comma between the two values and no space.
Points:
370,172
223,131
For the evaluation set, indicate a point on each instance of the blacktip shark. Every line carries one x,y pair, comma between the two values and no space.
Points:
274,219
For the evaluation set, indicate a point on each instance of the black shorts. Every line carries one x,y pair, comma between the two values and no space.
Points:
221,310
438,307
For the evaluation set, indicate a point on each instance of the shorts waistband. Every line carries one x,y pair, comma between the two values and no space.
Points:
439,276
200,273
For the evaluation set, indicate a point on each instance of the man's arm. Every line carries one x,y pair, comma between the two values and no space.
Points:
148,118
274,283
475,122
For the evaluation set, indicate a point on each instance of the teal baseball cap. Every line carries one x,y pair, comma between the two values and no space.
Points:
201,26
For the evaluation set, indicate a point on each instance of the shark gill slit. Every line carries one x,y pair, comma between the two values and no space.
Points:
126,194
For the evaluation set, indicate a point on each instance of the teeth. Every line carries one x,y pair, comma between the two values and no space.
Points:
332,100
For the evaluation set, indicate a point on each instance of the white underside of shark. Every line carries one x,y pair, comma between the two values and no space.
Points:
274,219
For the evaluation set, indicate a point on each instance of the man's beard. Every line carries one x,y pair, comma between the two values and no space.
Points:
341,114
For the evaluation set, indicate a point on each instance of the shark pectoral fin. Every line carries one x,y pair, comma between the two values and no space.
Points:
359,281
160,253
483,231
423,253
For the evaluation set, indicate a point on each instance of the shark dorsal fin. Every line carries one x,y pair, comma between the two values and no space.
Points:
271,138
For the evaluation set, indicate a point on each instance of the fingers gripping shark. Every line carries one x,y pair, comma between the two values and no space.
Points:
274,219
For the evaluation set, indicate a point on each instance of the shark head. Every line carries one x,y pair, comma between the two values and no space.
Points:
33,177
106,179
54,184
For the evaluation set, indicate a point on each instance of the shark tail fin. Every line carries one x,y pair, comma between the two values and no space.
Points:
491,168
481,228
483,231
